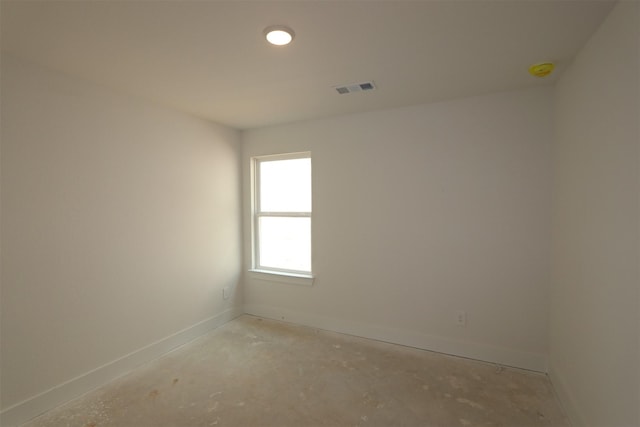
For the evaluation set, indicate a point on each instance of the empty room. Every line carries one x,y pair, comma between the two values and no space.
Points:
320,213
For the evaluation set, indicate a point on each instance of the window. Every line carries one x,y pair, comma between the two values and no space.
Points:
282,214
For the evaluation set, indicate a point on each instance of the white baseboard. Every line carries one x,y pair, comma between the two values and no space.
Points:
38,404
566,399
62,393
472,350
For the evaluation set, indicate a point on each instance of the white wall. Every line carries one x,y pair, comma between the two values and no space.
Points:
419,212
120,227
594,327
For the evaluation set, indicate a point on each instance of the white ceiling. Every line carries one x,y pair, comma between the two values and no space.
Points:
209,58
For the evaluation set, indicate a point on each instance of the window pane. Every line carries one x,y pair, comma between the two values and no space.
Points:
285,243
285,185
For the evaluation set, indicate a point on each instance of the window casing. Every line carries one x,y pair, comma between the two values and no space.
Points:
281,223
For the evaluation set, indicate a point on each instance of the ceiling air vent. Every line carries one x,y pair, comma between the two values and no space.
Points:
355,87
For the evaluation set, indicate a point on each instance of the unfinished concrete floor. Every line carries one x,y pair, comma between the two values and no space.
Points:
255,372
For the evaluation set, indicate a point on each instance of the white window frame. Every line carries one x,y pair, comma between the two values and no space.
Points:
269,273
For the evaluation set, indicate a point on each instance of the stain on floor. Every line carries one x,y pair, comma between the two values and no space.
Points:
255,372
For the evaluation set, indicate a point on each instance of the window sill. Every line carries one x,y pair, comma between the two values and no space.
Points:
279,277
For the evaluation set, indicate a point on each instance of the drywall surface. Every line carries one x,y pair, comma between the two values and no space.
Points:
594,358
120,228
419,212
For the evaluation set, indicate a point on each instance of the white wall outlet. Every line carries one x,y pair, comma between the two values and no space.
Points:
226,292
461,318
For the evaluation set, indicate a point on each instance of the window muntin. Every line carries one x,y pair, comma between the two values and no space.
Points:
282,213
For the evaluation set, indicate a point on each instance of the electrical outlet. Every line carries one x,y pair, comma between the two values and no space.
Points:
461,318
226,292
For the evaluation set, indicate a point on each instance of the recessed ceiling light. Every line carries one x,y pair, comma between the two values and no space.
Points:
279,35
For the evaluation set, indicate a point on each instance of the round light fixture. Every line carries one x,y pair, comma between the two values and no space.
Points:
279,35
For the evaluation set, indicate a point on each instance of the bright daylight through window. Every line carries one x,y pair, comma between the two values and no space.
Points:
282,213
